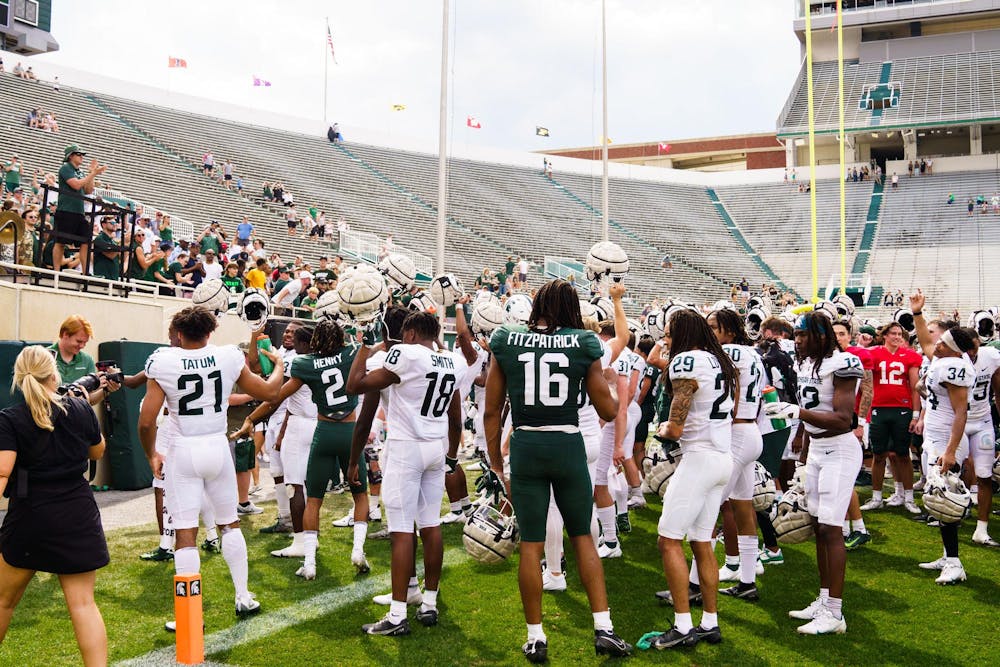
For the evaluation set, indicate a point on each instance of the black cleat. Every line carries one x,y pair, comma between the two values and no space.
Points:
694,597
711,635
277,527
428,617
675,638
387,628
742,591
536,650
606,642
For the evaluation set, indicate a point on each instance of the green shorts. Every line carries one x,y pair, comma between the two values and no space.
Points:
544,461
889,430
244,455
329,455
774,447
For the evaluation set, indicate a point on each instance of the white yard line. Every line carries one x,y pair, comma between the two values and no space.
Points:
271,623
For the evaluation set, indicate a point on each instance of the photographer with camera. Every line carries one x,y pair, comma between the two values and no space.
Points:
76,366
52,524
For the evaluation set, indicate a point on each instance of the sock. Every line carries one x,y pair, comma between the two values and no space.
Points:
167,536
877,495
553,540
187,561
836,606
297,540
908,495
693,576
859,525
211,533
465,502
456,507
311,540
360,533
824,594
373,502
620,494
281,497
635,492
414,584
602,620
981,527
748,558
846,529
732,562
234,550
397,611
595,527
949,536
898,489
709,620
606,515
535,632
683,622
430,598
767,531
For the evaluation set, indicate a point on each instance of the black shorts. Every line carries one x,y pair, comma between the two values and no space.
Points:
71,228
228,177
292,224
889,430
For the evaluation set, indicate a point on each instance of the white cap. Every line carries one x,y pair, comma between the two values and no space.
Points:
305,274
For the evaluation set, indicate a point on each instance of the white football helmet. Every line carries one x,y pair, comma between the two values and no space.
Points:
587,309
604,308
635,327
399,271
211,295
792,522
328,307
828,308
606,260
655,324
984,324
661,472
490,534
654,454
844,305
422,302
725,305
996,471
517,309
487,317
446,289
254,308
946,497
905,318
763,488
759,301
789,315
674,306
363,293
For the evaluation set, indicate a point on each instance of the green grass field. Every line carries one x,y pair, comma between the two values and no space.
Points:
896,613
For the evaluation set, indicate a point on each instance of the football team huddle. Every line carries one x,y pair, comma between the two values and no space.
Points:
761,418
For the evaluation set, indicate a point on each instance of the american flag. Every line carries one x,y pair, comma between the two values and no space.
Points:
329,40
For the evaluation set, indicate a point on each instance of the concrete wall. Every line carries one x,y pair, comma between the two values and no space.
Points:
929,45
951,164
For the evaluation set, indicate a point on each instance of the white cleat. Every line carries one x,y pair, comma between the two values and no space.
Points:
727,573
375,514
636,502
873,504
307,572
985,540
911,507
247,606
344,521
934,564
551,582
293,550
413,598
824,623
809,612
758,568
895,501
604,551
453,517
951,573
359,561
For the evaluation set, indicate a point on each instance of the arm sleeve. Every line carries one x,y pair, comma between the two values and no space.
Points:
8,434
89,427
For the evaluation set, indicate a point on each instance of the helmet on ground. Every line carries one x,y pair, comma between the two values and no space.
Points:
490,533
763,488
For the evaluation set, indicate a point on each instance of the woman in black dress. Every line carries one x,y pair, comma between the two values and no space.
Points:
52,523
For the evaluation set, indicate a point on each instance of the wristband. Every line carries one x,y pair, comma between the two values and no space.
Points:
862,421
916,415
918,313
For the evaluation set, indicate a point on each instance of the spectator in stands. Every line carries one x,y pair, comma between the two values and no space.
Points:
337,136
211,265
292,219
138,260
930,166
18,70
2,70
12,174
324,272
55,83
895,181
166,231
232,280
157,272
951,198
666,263
281,278
49,123
211,238
257,276
239,185
317,231
923,166
278,192
70,224
18,200
387,246
268,195
286,297
194,266
971,206
107,252
244,231
33,119
156,222
984,208
342,228
227,174
310,300
208,163
995,202
29,74
182,246
909,168
175,269
258,249
887,300
523,266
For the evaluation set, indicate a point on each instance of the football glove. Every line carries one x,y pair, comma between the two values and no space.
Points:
372,334
451,463
781,410
490,483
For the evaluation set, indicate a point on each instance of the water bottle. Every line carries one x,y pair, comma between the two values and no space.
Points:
266,365
771,396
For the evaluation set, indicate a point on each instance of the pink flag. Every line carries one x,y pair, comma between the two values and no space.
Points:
473,122
663,148
261,82
176,62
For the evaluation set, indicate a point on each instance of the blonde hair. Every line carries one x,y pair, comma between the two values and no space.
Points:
73,324
35,366
591,324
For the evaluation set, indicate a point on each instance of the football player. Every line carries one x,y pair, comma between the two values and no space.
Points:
425,427
195,380
542,368
948,383
827,383
646,397
705,392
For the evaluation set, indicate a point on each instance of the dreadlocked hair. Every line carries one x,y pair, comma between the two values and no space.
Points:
820,339
392,323
558,305
424,325
327,339
730,321
689,331
194,323
303,335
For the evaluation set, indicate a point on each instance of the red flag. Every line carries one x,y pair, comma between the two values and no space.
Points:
473,122
329,41
663,148
176,62
261,82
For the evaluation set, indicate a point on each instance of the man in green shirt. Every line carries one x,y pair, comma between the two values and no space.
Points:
71,225
72,362
209,239
282,280
508,268
12,174
107,252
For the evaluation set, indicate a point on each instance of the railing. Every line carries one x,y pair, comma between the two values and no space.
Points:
423,263
182,229
856,282
21,274
361,245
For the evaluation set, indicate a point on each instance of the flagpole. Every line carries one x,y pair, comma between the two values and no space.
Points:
604,138
443,143
326,66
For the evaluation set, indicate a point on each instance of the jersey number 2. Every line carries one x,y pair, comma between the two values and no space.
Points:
184,404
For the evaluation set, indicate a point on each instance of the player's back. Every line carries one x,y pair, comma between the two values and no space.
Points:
751,369
418,403
326,379
708,426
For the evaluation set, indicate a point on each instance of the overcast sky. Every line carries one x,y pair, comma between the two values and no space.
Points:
675,69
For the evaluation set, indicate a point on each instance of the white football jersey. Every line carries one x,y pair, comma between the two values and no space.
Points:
945,371
986,364
468,383
197,385
300,403
286,354
751,369
638,366
816,388
708,426
589,421
418,403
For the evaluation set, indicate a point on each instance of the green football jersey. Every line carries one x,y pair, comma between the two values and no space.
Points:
326,377
545,373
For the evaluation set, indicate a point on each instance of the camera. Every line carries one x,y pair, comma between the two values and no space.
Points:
82,387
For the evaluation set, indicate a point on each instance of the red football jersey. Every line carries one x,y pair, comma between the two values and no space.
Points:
864,354
891,376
